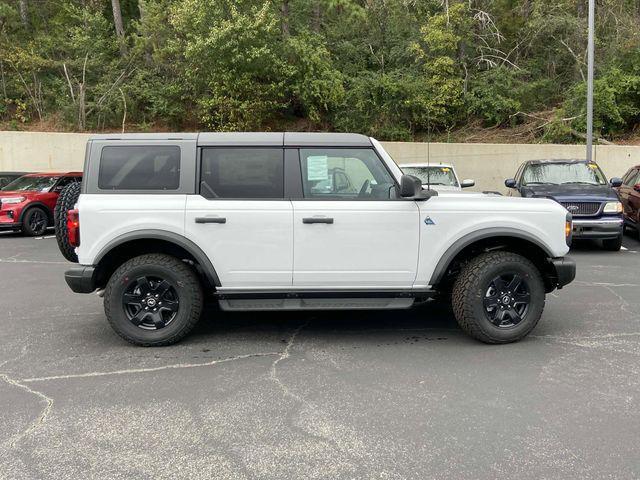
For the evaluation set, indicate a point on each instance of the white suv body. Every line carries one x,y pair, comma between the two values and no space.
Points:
295,221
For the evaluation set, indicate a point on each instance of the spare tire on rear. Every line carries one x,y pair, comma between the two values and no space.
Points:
66,201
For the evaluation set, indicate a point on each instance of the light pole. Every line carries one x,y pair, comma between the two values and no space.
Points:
590,81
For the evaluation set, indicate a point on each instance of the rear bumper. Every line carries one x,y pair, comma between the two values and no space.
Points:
81,279
565,271
597,228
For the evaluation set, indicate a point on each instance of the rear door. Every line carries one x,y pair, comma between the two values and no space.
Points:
626,192
633,201
350,230
240,217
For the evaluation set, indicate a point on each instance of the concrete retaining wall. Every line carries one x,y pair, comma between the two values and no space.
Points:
487,164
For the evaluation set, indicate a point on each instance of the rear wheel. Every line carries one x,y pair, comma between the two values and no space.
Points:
498,297
153,300
35,222
613,244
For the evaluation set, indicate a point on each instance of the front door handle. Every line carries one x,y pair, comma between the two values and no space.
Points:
211,220
317,220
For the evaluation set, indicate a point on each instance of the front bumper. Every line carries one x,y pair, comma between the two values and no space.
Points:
565,271
597,227
10,226
81,279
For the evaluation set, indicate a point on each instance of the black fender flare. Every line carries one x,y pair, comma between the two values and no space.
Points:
171,237
36,204
468,239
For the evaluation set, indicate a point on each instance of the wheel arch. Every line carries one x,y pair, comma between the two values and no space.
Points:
140,242
489,239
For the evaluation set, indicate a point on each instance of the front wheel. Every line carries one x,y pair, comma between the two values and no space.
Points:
612,244
498,297
35,222
153,300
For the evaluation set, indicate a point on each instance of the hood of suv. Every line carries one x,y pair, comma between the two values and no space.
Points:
567,192
22,193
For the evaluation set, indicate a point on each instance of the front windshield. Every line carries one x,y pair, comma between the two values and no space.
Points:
433,175
578,173
37,184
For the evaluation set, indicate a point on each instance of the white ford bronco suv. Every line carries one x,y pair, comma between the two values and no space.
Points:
293,221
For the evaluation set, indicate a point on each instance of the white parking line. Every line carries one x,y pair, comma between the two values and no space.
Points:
53,236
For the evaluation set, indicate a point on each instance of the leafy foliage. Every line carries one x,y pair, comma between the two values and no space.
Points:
396,69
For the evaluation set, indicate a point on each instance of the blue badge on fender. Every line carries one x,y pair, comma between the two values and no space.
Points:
428,221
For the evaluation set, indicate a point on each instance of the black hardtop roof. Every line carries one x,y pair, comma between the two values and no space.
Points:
286,139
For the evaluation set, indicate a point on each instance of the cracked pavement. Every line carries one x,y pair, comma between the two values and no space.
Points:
353,395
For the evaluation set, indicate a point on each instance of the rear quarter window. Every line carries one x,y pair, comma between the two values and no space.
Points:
139,168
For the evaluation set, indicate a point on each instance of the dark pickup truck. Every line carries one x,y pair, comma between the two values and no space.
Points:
582,188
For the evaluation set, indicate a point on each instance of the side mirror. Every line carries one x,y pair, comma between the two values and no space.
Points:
510,183
615,182
410,186
467,182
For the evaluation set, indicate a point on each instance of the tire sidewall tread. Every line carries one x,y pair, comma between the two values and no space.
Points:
471,284
66,201
189,290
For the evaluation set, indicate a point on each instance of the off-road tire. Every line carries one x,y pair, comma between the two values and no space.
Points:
66,201
26,220
175,271
470,287
612,244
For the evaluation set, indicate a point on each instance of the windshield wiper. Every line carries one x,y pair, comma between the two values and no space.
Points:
580,183
540,183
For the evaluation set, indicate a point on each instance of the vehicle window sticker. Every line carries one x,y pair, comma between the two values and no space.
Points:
317,168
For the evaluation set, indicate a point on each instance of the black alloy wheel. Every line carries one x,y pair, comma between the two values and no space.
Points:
35,222
150,302
506,300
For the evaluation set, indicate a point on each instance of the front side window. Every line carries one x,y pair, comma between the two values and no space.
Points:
563,174
242,173
631,177
345,173
139,168
433,175
35,184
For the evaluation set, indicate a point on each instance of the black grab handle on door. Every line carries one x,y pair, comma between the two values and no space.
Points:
211,220
317,220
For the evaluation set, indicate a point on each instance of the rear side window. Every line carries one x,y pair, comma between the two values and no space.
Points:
242,173
139,168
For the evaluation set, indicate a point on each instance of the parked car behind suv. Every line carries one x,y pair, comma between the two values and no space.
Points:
437,176
581,188
629,193
252,220
8,177
27,203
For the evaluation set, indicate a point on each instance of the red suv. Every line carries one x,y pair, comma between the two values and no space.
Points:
27,203
629,193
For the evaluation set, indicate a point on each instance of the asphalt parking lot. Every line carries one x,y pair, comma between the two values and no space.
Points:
364,395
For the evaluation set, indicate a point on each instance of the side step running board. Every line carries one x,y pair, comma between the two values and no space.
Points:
275,294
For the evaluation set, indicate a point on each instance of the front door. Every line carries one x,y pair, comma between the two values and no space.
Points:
241,219
350,230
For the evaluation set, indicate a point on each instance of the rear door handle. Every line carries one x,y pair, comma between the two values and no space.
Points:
317,220
211,220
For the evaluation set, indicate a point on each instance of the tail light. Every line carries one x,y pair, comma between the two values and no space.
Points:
73,227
